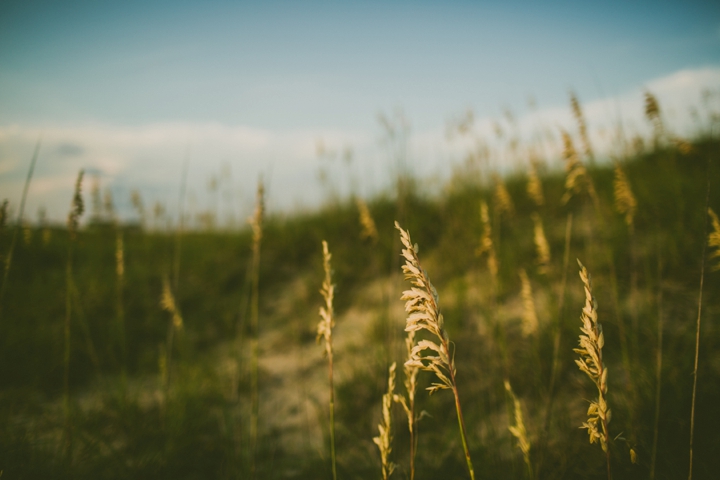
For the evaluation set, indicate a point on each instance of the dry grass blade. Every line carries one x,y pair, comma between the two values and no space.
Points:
369,230
714,239
653,114
625,202
256,223
324,332
408,403
502,201
486,242
384,439
582,126
577,180
529,316
423,313
326,324
541,245
534,185
591,363
167,302
518,430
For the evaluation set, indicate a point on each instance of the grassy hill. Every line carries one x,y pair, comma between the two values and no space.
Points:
147,399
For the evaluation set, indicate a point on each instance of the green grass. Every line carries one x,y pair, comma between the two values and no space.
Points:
203,431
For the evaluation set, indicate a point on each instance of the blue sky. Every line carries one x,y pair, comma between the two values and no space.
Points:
318,69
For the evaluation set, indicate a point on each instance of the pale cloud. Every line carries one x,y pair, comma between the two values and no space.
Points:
150,157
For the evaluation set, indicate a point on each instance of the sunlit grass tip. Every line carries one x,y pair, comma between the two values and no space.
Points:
384,438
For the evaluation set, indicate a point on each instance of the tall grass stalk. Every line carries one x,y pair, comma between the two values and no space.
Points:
76,210
697,328
168,303
519,431
256,223
324,331
555,368
18,225
658,368
384,438
423,313
626,204
408,403
591,363
120,309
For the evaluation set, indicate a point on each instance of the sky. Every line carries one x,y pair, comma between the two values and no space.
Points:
131,90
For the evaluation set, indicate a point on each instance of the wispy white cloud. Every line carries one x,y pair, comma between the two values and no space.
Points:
150,157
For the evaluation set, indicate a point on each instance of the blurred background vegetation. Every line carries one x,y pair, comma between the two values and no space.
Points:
148,398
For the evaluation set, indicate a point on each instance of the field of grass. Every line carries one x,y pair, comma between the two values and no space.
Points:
168,392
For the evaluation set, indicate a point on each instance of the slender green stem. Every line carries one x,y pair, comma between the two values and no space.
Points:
66,356
658,370
254,367
332,417
413,439
461,424
119,286
697,329
18,225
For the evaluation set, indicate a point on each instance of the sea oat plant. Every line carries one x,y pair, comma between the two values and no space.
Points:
714,240
9,256
256,223
167,303
519,431
591,343
502,201
534,185
384,438
76,210
625,202
541,245
654,116
486,243
369,230
577,181
408,403
324,332
711,238
529,316
582,126
423,313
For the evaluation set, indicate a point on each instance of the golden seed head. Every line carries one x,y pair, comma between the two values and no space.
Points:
577,180
423,313
167,302
518,430
591,343
369,230
534,186
384,439
529,316
327,320
625,202
582,125
501,198
714,239
541,245
486,243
